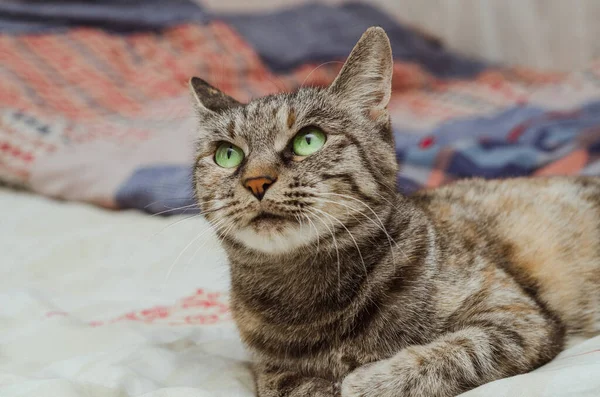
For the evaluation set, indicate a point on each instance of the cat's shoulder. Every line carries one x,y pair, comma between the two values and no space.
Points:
478,187
512,193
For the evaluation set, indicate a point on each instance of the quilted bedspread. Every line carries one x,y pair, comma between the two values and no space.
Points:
99,303
94,105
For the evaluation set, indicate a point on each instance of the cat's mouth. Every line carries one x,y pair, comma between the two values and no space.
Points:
264,216
272,232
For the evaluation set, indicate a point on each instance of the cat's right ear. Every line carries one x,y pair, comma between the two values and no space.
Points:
208,98
365,81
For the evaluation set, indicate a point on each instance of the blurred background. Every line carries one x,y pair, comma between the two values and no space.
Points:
551,34
95,102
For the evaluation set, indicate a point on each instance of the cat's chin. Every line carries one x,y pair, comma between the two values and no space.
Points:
275,237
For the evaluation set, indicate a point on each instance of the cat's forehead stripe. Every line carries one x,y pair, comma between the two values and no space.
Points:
231,129
291,119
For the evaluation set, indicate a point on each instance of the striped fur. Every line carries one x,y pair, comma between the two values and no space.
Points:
351,289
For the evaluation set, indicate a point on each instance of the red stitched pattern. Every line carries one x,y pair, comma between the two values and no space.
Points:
86,86
85,73
427,142
581,354
201,308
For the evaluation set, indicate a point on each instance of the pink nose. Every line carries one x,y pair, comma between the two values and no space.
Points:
259,185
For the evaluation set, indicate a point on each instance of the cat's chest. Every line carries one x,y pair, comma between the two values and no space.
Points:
313,348
334,361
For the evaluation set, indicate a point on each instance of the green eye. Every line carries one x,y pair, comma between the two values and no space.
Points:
308,141
228,155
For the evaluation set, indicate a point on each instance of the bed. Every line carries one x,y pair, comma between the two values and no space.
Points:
111,284
102,303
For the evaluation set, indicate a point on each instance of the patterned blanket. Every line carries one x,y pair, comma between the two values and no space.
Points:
101,114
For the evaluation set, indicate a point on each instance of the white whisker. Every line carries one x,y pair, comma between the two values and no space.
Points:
337,252
220,235
201,213
170,199
184,207
381,225
210,228
318,238
315,69
175,223
174,209
350,234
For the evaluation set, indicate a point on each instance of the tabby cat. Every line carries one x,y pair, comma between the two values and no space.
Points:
343,287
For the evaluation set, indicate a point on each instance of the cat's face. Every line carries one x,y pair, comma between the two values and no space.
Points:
280,171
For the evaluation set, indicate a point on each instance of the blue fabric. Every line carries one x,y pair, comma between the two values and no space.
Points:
284,39
480,147
36,16
159,189
289,38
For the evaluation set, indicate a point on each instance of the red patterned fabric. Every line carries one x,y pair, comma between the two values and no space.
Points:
83,112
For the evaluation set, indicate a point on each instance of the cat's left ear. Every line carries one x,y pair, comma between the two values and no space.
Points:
365,81
209,98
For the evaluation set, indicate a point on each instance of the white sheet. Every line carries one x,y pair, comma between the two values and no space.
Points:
88,307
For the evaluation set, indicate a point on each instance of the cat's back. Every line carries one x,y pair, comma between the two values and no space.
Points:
550,228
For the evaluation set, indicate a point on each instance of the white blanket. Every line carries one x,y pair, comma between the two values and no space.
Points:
112,304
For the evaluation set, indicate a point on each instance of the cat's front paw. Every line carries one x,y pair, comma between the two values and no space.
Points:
366,381
356,383
385,378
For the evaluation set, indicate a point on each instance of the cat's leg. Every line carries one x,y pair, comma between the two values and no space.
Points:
272,383
486,344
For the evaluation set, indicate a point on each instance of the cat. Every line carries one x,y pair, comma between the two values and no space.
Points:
340,286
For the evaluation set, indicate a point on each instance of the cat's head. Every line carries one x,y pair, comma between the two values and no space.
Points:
280,171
